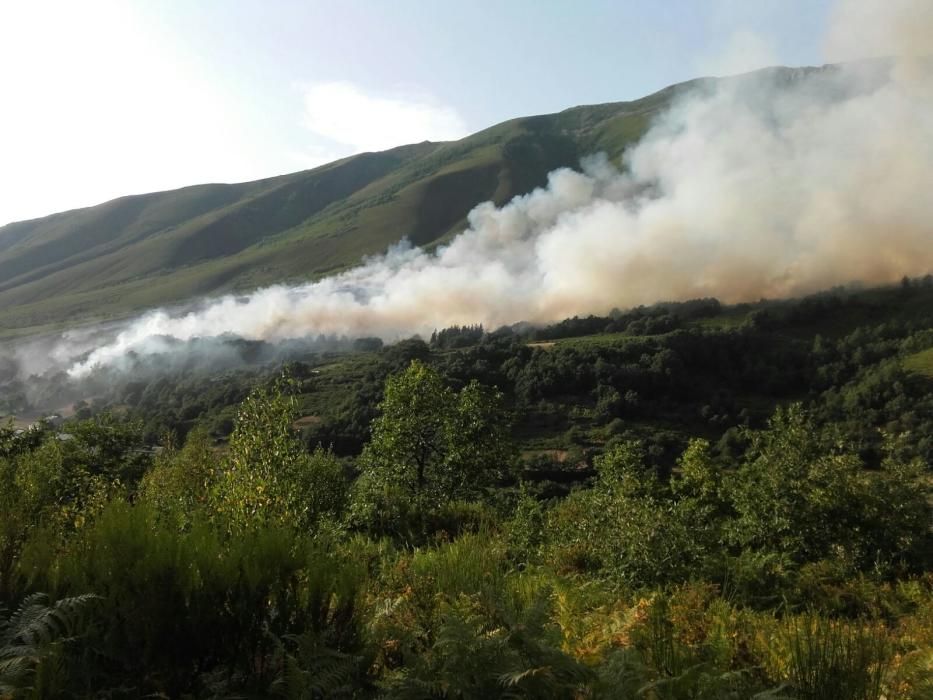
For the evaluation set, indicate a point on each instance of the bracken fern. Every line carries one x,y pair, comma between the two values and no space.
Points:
33,634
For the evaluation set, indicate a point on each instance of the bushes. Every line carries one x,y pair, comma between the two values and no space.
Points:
46,484
629,525
807,496
177,605
235,574
796,493
797,498
455,621
180,482
478,655
213,569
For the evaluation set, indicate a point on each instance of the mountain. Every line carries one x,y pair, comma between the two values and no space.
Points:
163,248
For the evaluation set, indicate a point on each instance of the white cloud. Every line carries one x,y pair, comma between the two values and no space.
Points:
343,113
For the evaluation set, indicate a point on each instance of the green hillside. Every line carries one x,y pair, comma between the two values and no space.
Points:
147,250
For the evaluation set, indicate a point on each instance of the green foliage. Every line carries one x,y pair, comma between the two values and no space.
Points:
666,563
526,528
181,481
58,486
311,669
268,477
410,438
14,442
471,564
805,497
797,498
109,446
477,654
920,362
796,494
429,445
179,603
673,669
833,659
32,641
629,525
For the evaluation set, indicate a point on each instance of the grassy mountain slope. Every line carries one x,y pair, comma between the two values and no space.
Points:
147,250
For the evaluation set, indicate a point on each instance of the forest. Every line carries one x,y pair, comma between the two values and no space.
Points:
689,500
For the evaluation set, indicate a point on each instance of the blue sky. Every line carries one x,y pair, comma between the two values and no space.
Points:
104,98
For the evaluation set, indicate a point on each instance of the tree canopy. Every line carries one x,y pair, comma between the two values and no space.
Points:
431,444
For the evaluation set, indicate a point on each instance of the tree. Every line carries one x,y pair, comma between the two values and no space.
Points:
796,492
805,493
180,481
433,444
110,446
628,524
268,477
52,484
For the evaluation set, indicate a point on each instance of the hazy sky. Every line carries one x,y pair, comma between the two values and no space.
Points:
104,98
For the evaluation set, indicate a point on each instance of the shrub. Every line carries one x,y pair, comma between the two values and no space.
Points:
179,604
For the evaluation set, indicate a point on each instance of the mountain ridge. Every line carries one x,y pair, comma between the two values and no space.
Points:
147,250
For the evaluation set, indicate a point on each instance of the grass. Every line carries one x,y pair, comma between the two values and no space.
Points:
920,363
599,339
834,659
722,322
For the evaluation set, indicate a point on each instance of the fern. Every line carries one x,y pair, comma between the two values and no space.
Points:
702,682
33,634
313,670
480,653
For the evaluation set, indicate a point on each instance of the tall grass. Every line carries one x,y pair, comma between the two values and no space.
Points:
836,660
469,564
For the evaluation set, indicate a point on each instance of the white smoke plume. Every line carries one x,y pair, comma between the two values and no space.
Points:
772,184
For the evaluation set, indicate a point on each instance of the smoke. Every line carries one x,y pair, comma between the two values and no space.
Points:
879,28
777,183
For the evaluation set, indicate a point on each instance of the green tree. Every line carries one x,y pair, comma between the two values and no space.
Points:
797,492
109,446
430,444
31,483
47,483
804,493
268,477
181,481
631,525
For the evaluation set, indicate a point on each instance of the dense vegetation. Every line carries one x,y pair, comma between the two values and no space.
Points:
686,501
